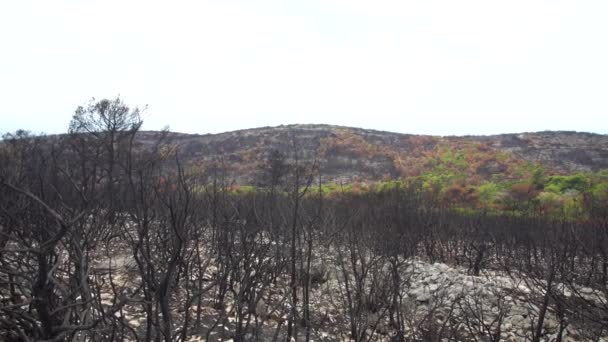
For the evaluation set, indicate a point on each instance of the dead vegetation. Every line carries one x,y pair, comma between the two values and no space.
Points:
102,240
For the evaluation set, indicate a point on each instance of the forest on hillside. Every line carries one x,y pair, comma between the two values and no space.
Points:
104,239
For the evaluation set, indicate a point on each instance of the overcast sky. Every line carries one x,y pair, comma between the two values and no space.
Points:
433,67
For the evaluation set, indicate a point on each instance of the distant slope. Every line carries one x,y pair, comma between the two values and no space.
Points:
352,154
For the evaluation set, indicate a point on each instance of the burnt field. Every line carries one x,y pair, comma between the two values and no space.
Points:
102,240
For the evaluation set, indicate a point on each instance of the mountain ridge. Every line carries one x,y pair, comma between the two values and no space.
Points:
321,125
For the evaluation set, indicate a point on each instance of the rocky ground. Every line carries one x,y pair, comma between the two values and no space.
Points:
489,307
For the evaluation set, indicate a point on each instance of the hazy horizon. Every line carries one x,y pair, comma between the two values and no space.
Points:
433,67
144,129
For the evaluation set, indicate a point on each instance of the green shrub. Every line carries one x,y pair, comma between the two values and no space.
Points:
488,192
559,184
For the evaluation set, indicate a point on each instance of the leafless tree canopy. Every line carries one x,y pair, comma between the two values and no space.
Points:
102,239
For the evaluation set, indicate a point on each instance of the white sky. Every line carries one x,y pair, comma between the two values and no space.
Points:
434,67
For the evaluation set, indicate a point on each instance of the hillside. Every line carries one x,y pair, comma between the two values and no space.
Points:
348,155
